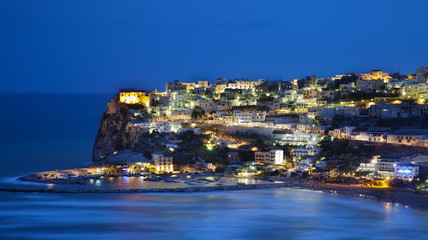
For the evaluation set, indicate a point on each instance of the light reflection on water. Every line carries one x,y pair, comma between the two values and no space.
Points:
128,183
252,214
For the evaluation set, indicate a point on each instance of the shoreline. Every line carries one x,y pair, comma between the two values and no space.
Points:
392,195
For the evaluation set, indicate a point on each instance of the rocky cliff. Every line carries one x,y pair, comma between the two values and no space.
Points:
114,133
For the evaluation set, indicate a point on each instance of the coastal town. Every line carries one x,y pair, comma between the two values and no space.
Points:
368,129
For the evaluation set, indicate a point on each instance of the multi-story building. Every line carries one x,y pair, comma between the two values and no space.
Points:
272,157
248,117
273,104
160,126
415,91
386,167
245,84
180,115
407,139
372,166
327,113
163,164
308,150
347,88
362,85
398,110
393,167
180,101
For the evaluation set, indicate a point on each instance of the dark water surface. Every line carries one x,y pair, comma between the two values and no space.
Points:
47,131
56,131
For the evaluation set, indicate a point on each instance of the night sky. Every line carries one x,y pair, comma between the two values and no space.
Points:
101,46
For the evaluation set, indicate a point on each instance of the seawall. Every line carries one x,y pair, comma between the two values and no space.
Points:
153,190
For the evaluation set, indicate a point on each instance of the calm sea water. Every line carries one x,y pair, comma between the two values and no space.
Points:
47,132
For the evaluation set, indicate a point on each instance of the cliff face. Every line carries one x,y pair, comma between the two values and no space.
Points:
114,132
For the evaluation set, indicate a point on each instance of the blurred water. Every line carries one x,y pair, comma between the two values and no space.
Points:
45,132
254,214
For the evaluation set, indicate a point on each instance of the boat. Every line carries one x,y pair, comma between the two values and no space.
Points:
171,180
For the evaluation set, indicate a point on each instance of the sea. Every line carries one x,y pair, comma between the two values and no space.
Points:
42,132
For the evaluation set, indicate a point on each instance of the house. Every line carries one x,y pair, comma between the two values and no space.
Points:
408,139
248,117
362,85
308,150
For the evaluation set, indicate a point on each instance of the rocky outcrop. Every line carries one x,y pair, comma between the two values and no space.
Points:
114,133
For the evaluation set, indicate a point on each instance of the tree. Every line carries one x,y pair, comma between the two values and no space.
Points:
197,112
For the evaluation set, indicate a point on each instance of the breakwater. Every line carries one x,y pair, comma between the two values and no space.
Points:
153,190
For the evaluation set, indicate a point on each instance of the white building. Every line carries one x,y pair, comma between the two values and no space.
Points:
369,85
405,170
415,90
308,150
162,127
369,167
248,117
244,84
272,157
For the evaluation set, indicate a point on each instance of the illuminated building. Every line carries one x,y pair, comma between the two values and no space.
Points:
244,84
368,85
248,117
398,110
369,167
132,96
415,91
272,157
405,170
375,75
308,150
163,164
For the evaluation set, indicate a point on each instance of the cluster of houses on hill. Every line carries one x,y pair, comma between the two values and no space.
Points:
260,107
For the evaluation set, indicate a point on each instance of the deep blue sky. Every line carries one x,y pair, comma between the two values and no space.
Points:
100,46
